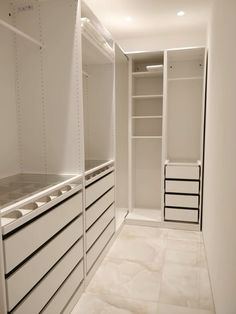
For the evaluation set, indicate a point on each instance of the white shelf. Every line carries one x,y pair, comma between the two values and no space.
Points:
148,74
20,33
146,117
147,137
147,96
186,78
183,163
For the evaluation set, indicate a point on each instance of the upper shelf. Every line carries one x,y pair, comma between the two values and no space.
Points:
148,74
147,96
186,78
20,33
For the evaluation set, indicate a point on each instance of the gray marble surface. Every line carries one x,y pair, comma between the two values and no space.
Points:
20,186
151,271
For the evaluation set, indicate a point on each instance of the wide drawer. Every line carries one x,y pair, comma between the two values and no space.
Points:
99,245
99,207
178,214
94,232
98,188
24,242
24,279
42,293
183,172
181,200
63,295
187,187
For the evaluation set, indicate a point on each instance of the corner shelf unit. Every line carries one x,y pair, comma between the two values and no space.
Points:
145,137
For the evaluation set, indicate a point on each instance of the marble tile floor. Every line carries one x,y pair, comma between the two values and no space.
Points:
151,271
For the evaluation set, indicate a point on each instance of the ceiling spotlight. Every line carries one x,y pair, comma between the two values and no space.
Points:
181,13
128,19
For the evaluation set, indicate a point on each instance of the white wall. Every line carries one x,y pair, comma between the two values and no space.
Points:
164,41
219,214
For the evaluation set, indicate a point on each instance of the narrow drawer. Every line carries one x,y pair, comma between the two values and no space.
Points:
99,245
99,207
178,214
63,295
94,232
25,241
42,293
182,172
181,200
24,278
95,190
187,187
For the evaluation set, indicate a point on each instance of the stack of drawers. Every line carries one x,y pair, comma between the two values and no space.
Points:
182,193
44,260
99,217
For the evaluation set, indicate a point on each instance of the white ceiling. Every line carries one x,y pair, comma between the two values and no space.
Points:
150,17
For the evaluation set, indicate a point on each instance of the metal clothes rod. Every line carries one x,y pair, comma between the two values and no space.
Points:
20,33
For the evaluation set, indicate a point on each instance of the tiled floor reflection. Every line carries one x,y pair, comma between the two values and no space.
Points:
151,271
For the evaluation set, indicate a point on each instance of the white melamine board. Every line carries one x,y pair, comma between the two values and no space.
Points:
147,107
178,200
148,86
182,172
9,160
121,158
99,112
147,173
186,69
147,127
179,214
184,120
191,187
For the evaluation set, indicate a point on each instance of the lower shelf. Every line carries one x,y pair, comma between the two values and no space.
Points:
144,215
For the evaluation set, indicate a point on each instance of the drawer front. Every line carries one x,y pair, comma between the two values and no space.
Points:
100,244
187,187
99,207
63,295
178,214
94,232
42,293
95,190
24,279
181,200
182,172
24,242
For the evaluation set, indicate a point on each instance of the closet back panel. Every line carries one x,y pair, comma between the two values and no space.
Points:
9,157
99,113
184,120
121,88
147,86
48,87
147,107
146,173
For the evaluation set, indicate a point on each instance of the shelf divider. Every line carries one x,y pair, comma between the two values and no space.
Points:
186,78
147,96
146,137
146,117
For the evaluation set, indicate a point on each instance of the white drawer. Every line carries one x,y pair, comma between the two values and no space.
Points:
99,207
181,200
63,295
25,241
178,214
100,244
42,293
23,280
188,187
182,172
98,188
94,232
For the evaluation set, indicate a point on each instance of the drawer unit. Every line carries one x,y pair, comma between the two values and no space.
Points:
42,293
182,172
25,277
97,209
97,228
98,188
99,245
24,242
63,295
181,215
186,187
177,200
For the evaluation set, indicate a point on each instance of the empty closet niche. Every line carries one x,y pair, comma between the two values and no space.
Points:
98,80
146,125
184,141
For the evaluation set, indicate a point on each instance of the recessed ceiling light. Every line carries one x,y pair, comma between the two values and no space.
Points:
128,19
181,13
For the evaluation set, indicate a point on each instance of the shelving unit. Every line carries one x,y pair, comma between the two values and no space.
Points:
146,137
